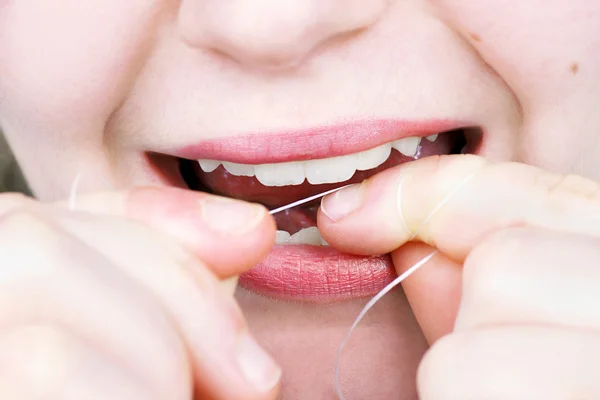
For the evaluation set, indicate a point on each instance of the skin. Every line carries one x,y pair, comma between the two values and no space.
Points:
500,330
88,88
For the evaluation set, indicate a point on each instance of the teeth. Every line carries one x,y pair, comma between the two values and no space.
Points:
284,174
239,169
310,236
282,237
432,138
330,170
407,146
209,165
307,236
373,158
327,170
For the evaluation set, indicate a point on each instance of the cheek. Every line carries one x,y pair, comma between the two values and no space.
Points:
537,46
71,60
548,52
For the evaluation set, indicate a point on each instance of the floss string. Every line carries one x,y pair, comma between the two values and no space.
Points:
400,278
366,309
73,191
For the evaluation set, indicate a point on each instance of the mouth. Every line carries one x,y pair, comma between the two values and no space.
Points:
276,170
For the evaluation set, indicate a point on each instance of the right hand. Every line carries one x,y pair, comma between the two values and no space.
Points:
116,300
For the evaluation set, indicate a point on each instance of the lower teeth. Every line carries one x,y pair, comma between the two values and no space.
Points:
309,236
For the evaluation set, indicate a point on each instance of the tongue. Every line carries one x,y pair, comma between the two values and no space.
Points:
250,189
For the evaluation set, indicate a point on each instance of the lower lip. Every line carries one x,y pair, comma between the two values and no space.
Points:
318,274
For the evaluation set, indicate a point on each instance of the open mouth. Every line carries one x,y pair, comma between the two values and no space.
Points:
279,184
303,266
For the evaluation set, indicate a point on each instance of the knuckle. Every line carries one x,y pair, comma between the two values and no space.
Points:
39,358
575,185
492,266
566,191
31,248
10,201
15,198
23,224
32,267
435,365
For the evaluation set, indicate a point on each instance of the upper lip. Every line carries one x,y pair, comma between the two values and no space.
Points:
311,143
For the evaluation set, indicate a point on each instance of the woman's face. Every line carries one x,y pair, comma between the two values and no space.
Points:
94,87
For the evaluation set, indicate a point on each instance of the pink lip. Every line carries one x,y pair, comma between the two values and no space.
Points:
318,274
313,273
311,143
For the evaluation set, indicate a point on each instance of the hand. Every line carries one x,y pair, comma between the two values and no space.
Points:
116,300
516,288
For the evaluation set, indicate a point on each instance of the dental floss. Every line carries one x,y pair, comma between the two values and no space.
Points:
437,208
366,309
400,278
388,287
230,284
377,297
73,190
306,200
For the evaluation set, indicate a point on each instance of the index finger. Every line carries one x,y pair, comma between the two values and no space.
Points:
454,202
229,235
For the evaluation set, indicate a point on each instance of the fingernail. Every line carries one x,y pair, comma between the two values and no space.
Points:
256,365
231,216
343,202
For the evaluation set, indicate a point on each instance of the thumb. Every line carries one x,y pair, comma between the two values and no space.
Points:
433,291
452,203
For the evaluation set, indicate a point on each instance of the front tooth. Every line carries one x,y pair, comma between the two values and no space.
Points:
309,236
373,158
239,169
330,170
407,146
432,138
282,237
209,165
290,173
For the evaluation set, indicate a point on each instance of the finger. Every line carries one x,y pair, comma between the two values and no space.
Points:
452,203
63,284
531,275
433,291
229,235
227,361
512,362
43,362
11,201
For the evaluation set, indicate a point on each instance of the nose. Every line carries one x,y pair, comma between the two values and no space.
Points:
273,33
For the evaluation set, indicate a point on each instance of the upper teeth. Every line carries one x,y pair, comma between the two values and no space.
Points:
326,170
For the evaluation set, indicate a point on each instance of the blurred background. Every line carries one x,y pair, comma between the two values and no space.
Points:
11,179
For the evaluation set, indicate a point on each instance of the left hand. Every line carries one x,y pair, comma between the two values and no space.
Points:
515,290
